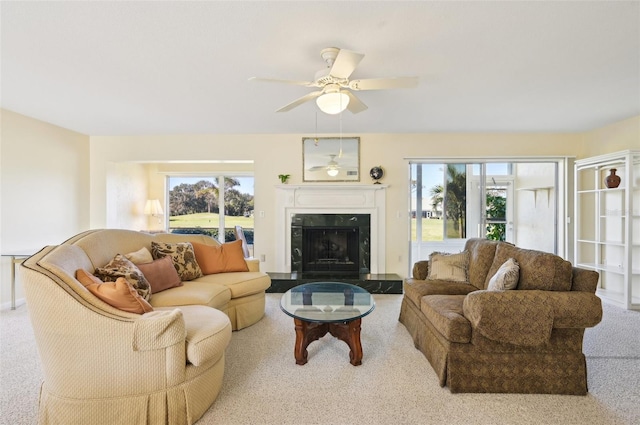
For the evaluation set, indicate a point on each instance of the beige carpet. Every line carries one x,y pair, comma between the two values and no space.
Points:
394,385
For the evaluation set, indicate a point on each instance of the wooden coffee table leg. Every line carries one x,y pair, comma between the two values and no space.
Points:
350,333
306,333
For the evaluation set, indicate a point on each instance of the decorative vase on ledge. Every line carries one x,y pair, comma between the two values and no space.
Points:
612,180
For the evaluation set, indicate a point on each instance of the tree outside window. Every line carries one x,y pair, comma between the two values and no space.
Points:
194,206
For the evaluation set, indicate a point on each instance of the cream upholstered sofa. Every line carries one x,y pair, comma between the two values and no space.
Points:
526,340
103,365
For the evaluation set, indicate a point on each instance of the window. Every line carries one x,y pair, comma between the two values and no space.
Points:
212,205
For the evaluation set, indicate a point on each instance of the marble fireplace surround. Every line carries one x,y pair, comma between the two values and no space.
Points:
331,199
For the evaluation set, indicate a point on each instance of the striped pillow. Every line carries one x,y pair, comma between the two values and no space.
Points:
451,267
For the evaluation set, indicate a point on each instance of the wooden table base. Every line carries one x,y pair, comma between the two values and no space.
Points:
307,332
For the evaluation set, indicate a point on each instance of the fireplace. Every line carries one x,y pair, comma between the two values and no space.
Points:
297,205
331,244
335,216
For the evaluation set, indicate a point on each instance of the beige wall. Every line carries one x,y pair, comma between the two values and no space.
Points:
44,187
75,182
613,138
282,154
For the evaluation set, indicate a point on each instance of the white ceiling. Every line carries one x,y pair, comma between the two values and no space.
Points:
115,68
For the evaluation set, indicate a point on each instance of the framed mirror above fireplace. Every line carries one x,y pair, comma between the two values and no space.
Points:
331,159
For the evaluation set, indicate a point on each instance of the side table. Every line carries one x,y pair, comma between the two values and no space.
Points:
16,258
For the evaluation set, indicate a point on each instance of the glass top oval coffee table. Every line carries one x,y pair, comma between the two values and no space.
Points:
319,308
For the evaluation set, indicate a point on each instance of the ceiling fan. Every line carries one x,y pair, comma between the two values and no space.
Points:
335,87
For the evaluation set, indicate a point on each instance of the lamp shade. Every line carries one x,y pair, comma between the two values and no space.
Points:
153,207
333,103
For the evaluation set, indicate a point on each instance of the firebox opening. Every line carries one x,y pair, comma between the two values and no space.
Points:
330,249
330,245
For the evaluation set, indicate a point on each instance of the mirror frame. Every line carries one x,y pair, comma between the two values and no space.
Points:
317,151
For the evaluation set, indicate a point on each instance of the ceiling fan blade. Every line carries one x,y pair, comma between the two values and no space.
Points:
345,63
276,80
384,83
355,105
300,101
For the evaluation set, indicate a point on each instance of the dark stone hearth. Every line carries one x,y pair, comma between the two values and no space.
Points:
374,283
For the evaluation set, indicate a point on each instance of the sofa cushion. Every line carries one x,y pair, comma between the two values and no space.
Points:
241,284
451,267
193,292
119,294
183,256
161,274
444,312
225,258
119,266
538,270
481,254
416,289
141,256
506,277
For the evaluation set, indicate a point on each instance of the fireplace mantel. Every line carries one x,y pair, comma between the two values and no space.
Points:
330,199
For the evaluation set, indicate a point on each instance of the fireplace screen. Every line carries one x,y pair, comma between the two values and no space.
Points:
330,244
330,249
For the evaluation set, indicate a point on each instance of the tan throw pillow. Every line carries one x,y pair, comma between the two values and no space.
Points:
121,267
119,294
161,274
452,267
506,277
141,256
184,259
225,258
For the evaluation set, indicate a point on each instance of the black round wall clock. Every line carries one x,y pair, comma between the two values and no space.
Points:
376,174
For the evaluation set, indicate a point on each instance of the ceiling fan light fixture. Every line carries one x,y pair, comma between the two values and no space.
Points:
333,103
332,172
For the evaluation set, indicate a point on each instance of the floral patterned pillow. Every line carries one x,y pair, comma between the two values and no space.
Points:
183,256
120,266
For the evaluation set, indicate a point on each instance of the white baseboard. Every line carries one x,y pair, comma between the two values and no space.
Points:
7,305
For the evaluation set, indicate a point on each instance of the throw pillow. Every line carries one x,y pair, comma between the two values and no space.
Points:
225,258
140,256
119,294
184,259
452,267
506,277
121,267
161,274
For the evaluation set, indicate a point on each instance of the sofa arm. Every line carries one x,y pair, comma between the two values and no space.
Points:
527,318
420,269
158,330
253,264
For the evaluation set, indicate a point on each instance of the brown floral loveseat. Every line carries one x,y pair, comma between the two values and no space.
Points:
525,340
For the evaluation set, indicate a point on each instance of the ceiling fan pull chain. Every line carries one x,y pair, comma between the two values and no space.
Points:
316,138
340,153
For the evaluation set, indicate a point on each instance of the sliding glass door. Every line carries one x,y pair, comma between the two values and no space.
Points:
509,201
